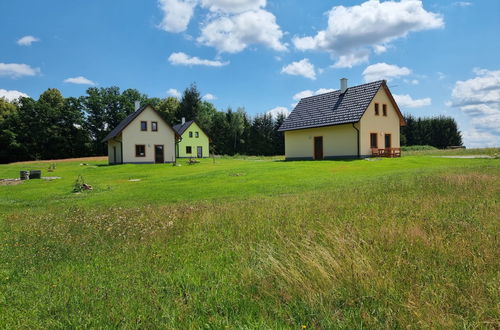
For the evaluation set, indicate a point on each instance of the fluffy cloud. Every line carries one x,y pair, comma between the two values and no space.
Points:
15,70
11,95
301,68
479,98
232,34
233,6
27,41
462,4
209,97
79,81
184,59
177,14
308,93
353,32
174,92
406,101
385,71
278,110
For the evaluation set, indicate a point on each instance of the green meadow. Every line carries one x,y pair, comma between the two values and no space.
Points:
250,242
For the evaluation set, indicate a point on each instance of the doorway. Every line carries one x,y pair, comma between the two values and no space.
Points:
199,152
159,154
388,141
318,148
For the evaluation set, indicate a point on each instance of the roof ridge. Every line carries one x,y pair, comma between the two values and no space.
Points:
338,90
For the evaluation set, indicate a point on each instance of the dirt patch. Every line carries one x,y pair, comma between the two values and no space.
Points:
84,159
10,182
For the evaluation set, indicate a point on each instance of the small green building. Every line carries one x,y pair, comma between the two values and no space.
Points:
194,142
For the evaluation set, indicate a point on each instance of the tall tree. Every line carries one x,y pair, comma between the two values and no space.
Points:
190,105
168,109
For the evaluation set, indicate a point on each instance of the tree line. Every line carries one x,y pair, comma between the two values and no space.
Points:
440,132
55,127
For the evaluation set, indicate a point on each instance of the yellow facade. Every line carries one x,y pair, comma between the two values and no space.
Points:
381,125
341,141
338,141
194,143
125,143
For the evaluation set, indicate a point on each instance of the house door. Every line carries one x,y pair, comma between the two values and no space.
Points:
318,147
388,141
159,154
199,152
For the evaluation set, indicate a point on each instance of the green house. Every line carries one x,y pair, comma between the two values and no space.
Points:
194,142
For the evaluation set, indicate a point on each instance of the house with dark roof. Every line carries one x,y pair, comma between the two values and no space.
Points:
194,142
346,123
143,137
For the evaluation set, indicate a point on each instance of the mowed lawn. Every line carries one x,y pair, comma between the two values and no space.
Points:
254,243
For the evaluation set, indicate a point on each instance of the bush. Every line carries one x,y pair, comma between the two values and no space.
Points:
417,148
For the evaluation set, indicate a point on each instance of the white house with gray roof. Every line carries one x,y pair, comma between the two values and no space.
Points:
143,137
348,123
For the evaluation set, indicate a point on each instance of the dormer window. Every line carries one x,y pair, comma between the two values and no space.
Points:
384,110
376,109
144,126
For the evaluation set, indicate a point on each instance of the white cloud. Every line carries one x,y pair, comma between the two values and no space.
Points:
385,71
233,6
15,70
406,101
479,98
209,97
11,95
412,81
278,110
232,34
79,81
462,4
301,68
27,41
308,93
184,59
177,14
174,92
353,32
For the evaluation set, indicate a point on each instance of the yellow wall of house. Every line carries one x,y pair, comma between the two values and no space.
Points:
370,123
115,150
194,142
133,135
338,141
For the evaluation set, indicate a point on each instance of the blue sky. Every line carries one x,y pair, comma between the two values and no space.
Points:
440,57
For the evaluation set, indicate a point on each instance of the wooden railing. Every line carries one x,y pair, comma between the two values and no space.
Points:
386,152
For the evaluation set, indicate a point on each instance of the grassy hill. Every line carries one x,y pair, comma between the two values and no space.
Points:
253,243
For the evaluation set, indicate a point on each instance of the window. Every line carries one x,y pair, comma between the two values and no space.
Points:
376,109
144,126
373,140
188,150
154,126
196,134
140,150
191,134
384,110
388,140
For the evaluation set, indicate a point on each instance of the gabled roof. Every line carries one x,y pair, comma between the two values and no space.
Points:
181,128
125,122
335,108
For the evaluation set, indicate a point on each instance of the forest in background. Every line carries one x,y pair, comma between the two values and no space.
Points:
55,127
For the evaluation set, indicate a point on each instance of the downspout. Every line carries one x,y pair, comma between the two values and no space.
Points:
121,152
357,131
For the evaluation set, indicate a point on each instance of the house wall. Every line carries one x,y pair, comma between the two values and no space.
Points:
116,143
370,123
133,135
338,141
194,143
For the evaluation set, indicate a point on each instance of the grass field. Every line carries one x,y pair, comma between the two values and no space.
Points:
254,243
